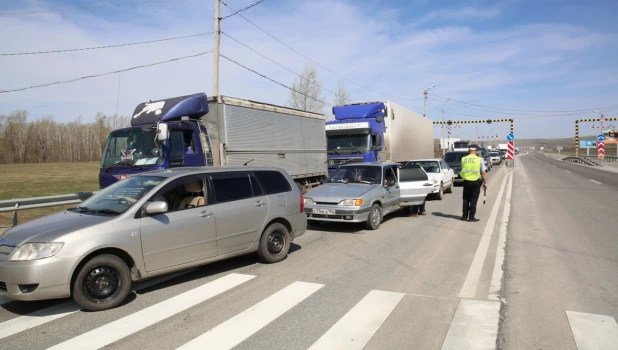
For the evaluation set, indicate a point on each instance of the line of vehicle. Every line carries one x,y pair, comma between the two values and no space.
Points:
40,317
474,274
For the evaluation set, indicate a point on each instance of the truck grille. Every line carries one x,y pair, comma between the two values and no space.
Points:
338,161
5,252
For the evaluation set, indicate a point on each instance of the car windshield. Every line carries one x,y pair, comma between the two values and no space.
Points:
357,174
347,143
429,166
119,197
454,157
132,147
494,154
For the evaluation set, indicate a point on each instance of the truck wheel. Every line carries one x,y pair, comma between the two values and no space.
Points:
274,243
440,193
375,218
102,283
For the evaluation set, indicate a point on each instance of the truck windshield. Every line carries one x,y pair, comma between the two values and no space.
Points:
119,197
348,143
131,147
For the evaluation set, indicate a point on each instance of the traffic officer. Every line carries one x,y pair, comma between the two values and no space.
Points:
474,174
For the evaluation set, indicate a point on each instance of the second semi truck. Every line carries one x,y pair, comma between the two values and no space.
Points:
377,132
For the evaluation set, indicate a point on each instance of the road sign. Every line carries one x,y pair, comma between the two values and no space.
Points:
601,150
510,150
559,148
510,137
601,138
587,143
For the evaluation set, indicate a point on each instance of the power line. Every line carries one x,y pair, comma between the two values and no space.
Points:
103,47
237,12
309,59
84,8
274,81
277,63
608,109
102,74
520,110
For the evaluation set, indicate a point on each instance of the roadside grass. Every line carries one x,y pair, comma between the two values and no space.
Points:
44,179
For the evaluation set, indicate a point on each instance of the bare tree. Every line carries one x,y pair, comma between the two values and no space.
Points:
342,97
307,91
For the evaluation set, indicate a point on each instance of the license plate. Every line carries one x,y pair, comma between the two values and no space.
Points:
324,211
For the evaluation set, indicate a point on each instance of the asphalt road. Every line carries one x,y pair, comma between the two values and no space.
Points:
431,282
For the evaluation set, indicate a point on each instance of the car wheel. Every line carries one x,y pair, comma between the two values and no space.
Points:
274,243
375,217
102,283
440,193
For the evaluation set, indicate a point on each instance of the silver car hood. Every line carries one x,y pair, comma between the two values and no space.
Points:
49,227
338,191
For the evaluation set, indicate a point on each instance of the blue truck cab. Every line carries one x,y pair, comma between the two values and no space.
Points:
163,134
356,135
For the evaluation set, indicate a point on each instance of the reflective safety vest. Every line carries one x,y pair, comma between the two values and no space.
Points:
470,168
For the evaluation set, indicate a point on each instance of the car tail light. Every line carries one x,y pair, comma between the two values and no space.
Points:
302,202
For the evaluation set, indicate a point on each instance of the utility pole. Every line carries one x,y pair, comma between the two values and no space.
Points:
425,100
442,137
215,51
476,133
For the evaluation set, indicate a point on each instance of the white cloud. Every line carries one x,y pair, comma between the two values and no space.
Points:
373,49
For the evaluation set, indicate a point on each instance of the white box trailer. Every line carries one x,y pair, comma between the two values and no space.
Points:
242,130
408,135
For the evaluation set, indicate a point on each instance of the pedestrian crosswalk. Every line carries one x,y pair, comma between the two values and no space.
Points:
474,323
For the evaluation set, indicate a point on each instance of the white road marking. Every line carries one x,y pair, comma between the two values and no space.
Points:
40,317
240,327
135,322
596,182
474,274
357,327
553,165
475,326
567,171
496,279
592,331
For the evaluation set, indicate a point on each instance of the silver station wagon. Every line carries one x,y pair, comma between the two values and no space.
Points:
148,225
365,192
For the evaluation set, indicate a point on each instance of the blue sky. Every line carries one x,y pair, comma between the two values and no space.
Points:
550,55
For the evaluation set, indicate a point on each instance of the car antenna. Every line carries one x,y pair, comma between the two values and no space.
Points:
248,162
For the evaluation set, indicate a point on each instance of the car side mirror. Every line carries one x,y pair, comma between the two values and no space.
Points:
158,207
162,132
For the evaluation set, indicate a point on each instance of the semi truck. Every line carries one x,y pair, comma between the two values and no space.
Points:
195,130
377,132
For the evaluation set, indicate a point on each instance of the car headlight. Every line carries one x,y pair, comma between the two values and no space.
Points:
308,201
351,202
34,251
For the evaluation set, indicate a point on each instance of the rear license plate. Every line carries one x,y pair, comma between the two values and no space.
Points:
324,211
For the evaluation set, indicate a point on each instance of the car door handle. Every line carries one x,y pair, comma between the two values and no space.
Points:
206,214
428,184
259,204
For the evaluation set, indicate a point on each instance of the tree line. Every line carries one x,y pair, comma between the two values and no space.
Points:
45,140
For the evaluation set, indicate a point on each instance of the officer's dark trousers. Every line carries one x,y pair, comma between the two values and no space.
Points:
471,192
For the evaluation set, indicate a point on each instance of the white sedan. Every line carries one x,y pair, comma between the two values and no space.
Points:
437,170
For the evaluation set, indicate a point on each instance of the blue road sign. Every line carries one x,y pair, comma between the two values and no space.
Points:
559,148
510,137
601,138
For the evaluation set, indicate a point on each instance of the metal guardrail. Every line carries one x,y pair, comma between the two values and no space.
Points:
606,159
18,204
581,160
